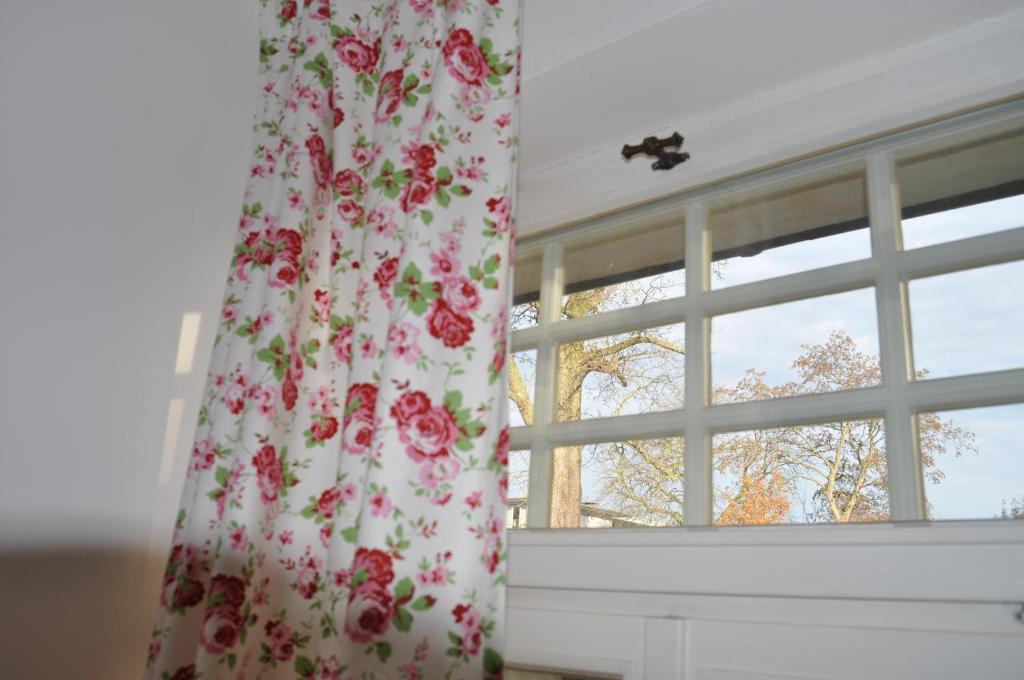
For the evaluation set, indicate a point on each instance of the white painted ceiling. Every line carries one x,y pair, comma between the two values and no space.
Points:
600,72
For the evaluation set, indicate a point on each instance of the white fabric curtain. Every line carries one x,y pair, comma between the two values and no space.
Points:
344,511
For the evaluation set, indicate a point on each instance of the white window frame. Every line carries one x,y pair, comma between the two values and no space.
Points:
898,399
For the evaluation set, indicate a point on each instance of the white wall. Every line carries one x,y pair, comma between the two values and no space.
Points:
124,132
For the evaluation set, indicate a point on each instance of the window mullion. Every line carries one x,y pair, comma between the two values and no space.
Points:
697,490
545,389
906,489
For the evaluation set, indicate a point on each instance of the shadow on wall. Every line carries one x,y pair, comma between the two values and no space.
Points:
83,614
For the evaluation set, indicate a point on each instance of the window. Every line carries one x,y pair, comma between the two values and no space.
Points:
838,340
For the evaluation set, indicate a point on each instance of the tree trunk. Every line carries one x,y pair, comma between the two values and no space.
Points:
566,483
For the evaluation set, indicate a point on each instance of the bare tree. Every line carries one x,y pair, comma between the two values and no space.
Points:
630,371
834,472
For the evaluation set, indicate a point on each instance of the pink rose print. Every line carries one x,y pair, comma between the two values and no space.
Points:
501,211
203,454
307,581
349,183
385,276
389,96
221,628
279,639
321,161
382,221
358,56
460,294
403,339
359,428
464,58
239,539
222,623
380,504
430,434
469,618
370,609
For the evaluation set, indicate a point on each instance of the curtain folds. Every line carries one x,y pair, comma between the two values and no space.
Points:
344,510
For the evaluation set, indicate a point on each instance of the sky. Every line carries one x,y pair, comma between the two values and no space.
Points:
965,322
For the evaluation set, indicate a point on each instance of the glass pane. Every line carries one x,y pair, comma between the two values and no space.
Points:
962,189
968,322
620,484
822,344
521,381
624,267
526,286
783,230
518,483
973,462
957,223
636,372
830,472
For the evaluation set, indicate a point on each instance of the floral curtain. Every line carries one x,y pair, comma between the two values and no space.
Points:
344,511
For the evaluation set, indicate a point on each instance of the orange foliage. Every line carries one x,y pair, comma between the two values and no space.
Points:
758,501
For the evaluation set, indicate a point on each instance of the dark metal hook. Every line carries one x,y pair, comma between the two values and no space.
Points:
652,146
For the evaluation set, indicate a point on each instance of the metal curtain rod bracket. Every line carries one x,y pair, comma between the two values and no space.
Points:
652,146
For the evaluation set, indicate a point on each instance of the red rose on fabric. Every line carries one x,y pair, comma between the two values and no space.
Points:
269,472
325,428
338,113
385,276
289,391
376,563
288,244
358,437
231,590
464,58
350,211
501,448
321,161
188,593
357,55
221,628
289,9
348,182
285,273
389,96
448,326
408,406
418,191
370,609
460,294
423,157
366,395
185,673
322,12
430,434
328,499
